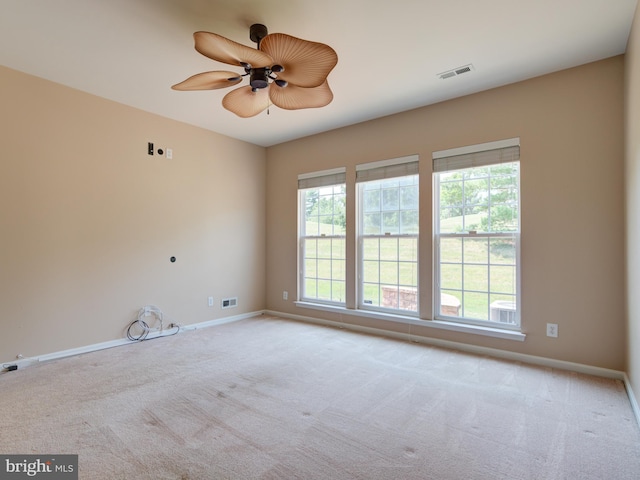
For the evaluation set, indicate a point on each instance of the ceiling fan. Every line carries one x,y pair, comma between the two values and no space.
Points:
285,71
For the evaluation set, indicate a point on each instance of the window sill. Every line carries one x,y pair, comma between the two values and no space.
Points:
438,324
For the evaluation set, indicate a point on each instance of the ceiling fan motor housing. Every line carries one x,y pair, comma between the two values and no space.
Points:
259,78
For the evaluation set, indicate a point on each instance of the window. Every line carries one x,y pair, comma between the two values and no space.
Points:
388,235
322,224
477,234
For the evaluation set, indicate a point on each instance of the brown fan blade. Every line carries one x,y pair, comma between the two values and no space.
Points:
306,64
293,97
209,81
245,103
224,50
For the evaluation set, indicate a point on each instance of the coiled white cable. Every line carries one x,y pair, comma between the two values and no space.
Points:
142,324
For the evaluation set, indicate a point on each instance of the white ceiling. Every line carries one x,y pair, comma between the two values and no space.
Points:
390,52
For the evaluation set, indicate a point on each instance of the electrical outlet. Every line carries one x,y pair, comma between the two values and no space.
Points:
552,330
210,301
285,295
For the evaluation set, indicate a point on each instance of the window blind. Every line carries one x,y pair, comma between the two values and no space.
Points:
397,167
324,178
504,151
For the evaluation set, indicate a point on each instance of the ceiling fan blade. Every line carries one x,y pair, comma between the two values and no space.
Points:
293,97
305,63
209,81
224,50
246,103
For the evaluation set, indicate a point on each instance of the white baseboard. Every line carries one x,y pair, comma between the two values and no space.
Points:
632,398
221,321
492,352
26,362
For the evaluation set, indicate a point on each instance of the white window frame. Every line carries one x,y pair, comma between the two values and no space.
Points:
385,169
492,153
325,178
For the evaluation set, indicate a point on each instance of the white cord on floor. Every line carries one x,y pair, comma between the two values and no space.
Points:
142,324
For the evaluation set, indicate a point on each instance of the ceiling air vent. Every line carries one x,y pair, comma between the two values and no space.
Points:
455,72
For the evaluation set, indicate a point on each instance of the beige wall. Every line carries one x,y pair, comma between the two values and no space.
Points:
571,128
88,221
632,175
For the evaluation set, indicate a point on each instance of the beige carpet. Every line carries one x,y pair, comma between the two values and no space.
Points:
267,398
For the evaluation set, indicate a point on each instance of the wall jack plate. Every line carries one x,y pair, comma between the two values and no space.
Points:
552,330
